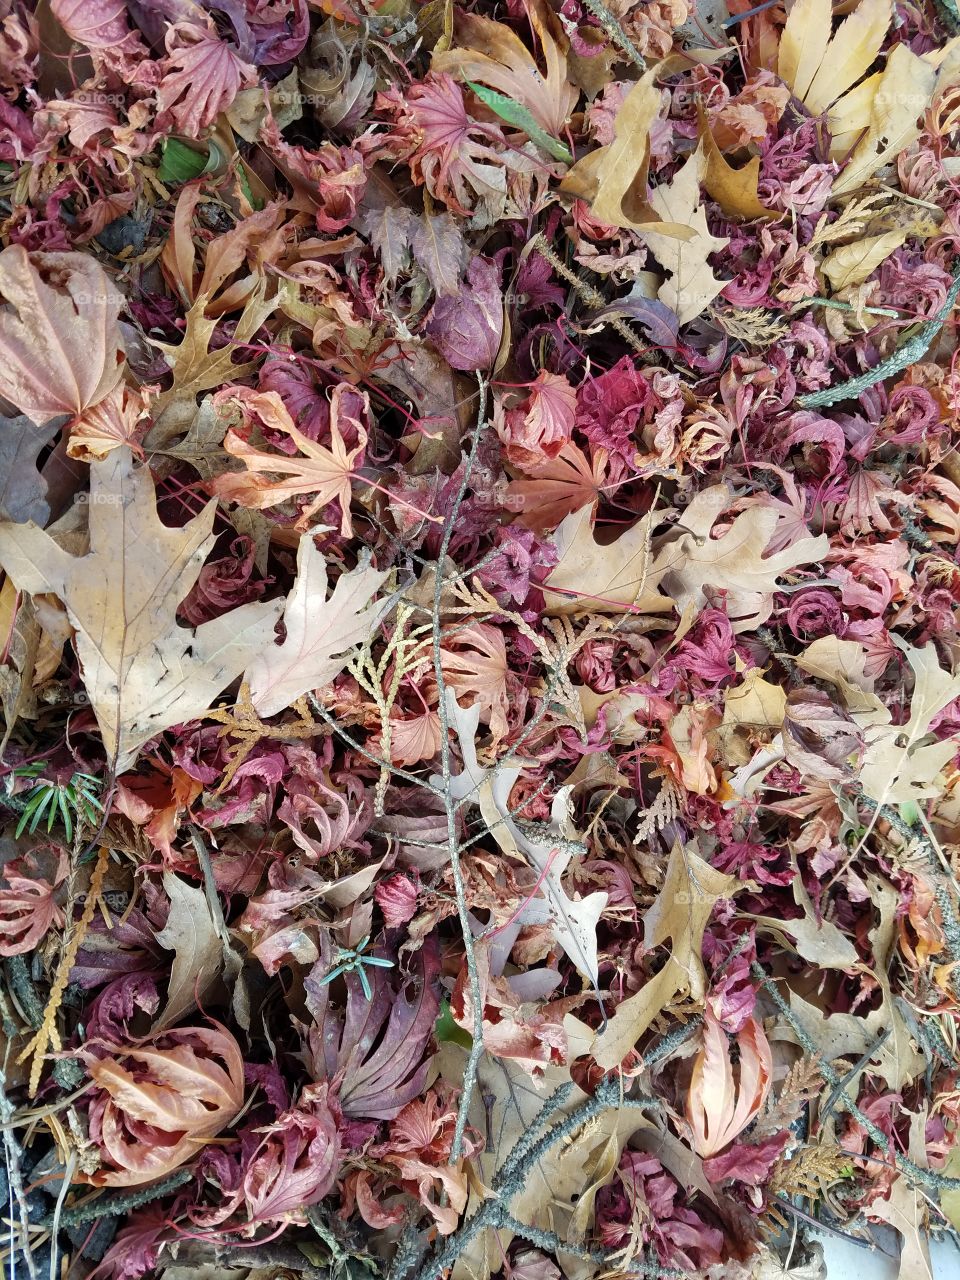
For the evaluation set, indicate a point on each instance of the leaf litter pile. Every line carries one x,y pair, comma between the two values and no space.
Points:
480,678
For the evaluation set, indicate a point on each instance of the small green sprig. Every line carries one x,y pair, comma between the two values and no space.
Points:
68,801
352,960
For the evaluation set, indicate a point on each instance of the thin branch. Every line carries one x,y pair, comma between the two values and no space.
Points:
450,805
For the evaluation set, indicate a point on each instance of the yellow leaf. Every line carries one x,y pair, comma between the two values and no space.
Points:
803,43
614,178
735,190
818,69
691,889
902,95
852,263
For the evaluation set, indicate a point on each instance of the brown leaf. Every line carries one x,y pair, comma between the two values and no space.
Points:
691,890
595,577
689,562
489,52
186,1083
735,190
142,672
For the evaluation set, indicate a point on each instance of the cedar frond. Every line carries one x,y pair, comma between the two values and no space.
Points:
47,1034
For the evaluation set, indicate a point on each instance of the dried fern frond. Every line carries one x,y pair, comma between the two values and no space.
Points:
802,1084
754,325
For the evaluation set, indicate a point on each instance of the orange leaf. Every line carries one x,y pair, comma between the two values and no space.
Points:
721,1104
161,1100
327,473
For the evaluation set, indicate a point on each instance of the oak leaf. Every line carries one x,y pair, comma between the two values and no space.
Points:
320,632
142,672
574,920
691,285
691,889
689,561
599,577
23,489
191,935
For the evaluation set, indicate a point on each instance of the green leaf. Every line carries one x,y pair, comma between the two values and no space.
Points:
246,188
180,163
447,1030
516,114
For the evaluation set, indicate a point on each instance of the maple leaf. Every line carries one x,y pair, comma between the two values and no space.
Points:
320,632
161,1099
474,661
322,472
60,344
28,909
491,53
691,285
202,76
688,561
562,485
376,1048
142,672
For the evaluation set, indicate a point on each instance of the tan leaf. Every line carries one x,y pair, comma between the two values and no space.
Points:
690,561
489,52
735,190
691,890
573,920
901,95
691,285
320,632
905,1209
324,473
720,1103
60,344
571,1171
595,577
191,935
818,68
196,368
897,765
142,672
852,263
754,702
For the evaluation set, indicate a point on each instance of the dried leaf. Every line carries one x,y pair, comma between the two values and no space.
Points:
60,344
192,935
320,632
819,68
142,672
852,263
691,285
691,889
